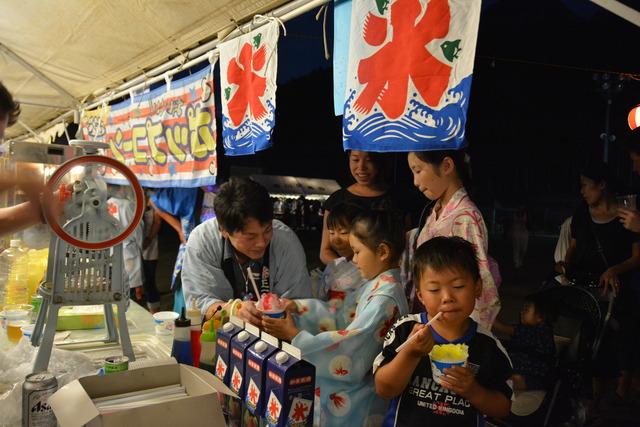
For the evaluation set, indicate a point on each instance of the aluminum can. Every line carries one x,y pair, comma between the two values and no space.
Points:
36,391
116,364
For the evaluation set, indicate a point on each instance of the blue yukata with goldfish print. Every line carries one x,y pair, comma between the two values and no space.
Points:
342,343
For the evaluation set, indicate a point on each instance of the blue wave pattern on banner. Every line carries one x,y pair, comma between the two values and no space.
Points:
250,136
421,128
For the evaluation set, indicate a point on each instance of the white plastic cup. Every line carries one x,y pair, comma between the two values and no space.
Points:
27,330
164,321
627,201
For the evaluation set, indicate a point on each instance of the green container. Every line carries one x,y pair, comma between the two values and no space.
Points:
116,364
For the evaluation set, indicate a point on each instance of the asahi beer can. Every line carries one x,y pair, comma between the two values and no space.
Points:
36,391
116,364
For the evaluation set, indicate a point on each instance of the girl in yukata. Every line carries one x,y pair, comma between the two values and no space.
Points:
342,342
441,176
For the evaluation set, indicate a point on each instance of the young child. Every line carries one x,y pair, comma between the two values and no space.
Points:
342,343
341,276
448,281
532,348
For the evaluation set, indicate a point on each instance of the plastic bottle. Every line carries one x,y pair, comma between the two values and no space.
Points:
208,347
14,286
181,348
194,316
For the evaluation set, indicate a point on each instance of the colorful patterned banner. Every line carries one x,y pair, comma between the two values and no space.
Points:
167,136
248,68
410,71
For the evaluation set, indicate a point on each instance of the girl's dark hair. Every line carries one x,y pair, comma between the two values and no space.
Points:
543,307
375,227
8,106
435,158
239,200
342,215
599,172
445,253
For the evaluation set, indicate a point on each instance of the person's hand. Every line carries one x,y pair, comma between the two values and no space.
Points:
460,380
610,282
250,313
289,305
423,342
283,328
630,219
139,293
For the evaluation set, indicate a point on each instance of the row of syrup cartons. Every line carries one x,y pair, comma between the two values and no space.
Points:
275,386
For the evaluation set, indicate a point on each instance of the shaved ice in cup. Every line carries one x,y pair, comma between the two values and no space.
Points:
271,305
446,356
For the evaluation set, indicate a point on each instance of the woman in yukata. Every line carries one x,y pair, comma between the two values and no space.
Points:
342,342
441,176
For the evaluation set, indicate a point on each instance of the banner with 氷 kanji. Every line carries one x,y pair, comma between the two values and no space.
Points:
248,69
166,136
410,72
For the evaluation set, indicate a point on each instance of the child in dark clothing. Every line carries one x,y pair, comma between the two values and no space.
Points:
532,349
448,278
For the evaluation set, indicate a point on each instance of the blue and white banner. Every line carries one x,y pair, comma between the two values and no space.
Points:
248,69
410,72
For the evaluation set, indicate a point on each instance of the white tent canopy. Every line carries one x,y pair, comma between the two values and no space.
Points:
58,56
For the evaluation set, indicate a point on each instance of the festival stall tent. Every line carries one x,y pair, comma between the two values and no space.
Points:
59,57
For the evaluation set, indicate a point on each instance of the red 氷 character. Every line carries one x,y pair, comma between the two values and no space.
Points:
386,73
251,86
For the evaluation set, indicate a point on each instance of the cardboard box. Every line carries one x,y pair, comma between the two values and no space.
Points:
73,406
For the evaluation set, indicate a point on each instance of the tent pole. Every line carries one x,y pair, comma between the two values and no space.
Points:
70,98
620,9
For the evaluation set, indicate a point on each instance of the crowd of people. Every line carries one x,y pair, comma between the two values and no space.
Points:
383,283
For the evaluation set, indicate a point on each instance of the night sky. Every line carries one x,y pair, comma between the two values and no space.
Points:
536,112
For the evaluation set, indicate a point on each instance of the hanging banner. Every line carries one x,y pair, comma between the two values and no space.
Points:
410,71
248,69
166,136
341,27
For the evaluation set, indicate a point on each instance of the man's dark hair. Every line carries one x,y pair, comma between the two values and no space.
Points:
342,215
240,199
380,226
8,106
445,253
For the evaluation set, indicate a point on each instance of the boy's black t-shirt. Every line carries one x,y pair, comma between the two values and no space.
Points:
424,402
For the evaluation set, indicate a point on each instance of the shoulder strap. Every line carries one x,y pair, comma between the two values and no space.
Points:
595,236
426,211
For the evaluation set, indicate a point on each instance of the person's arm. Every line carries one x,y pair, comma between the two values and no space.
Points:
609,278
392,379
288,264
568,258
153,230
19,217
203,280
172,221
503,328
357,341
326,253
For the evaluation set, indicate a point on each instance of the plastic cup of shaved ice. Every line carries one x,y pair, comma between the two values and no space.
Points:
272,306
447,356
